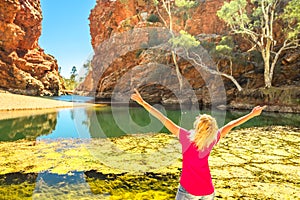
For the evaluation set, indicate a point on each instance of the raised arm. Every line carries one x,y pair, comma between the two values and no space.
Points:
255,112
171,126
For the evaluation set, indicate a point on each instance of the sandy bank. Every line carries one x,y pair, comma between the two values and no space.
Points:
9,102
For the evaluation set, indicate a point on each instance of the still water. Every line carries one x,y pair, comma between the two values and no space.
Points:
99,122
93,123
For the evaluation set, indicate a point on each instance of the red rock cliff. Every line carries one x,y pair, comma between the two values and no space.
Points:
113,25
24,67
120,33
109,17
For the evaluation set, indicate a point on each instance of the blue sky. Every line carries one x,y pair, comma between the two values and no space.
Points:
66,33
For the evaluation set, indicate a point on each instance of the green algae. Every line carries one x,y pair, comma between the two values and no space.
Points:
144,186
17,186
251,163
17,191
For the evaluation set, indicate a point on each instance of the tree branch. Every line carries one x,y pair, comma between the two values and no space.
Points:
199,62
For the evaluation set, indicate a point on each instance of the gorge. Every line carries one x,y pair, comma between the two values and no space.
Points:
125,32
130,44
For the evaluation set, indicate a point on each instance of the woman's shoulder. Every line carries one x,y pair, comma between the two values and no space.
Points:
184,134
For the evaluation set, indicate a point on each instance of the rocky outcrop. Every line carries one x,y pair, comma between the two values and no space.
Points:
129,39
277,99
123,34
24,67
204,19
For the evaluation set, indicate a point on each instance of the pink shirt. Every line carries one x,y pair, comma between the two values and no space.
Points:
195,175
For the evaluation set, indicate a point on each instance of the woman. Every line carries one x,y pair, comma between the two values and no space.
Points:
195,180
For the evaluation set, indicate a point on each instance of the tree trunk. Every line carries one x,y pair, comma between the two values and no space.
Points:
268,79
266,54
179,76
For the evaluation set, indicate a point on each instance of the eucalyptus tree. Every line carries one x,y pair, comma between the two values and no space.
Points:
169,6
255,20
184,40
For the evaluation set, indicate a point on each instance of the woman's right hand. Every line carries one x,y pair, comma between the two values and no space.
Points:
171,126
137,97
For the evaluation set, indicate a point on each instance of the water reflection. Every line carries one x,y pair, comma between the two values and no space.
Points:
266,119
107,123
48,184
66,126
103,122
27,127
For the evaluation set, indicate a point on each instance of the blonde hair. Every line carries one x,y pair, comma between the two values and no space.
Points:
205,131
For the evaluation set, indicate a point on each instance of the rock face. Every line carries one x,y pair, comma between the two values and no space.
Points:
129,39
24,67
130,48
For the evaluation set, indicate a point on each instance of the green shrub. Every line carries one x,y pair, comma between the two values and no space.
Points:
153,18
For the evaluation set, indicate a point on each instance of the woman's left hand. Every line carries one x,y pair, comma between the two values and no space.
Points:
257,110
